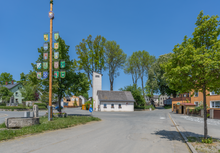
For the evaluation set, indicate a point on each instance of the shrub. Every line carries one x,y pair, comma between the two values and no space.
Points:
209,140
87,104
2,104
208,115
190,110
13,107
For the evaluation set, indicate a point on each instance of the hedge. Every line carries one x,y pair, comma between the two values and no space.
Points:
13,107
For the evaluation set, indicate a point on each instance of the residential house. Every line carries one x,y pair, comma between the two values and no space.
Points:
70,100
167,101
181,103
154,99
162,98
15,89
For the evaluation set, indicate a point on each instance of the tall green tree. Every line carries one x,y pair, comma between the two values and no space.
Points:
72,83
114,60
132,69
138,65
195,63
5,77
31,86
156,79
91,55
5,94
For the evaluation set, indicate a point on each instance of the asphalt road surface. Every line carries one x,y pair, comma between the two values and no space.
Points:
118,132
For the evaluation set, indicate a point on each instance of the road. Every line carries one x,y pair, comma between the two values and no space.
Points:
118,132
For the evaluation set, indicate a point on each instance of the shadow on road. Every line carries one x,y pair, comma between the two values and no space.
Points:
79,114
159,107
174,135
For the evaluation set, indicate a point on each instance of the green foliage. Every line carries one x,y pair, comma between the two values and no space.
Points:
86,95
156,79
75,104
2,125
114,60
91,55
208,140
136,93
208,115
195,63
167,107
190,110
5,94
87,104
144,107
5,77
13,107
2,104
45,125
74,83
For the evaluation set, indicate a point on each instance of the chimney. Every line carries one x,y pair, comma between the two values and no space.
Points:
12,81
6,83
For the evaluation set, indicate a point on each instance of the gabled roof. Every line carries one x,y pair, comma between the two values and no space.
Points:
10,86
115,96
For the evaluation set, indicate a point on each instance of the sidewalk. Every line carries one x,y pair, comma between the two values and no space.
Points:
194,126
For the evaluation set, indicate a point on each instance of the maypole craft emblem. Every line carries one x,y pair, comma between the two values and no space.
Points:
45,74
62,64
46,37
45,65
62,74
56,55
56,74
56,35
45,56
39,75
38,66
51,15
56,65
45,46
56,45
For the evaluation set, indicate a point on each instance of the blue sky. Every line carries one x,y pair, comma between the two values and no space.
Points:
155,26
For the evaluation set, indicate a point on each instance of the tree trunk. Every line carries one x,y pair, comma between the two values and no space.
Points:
142,80
111,84
205,112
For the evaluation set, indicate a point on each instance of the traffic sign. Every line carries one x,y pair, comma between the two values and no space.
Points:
90,109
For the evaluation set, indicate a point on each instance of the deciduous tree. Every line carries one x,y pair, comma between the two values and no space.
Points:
91,55
195,63
5,77
114,60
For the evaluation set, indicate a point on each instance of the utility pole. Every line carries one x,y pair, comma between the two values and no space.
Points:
50,73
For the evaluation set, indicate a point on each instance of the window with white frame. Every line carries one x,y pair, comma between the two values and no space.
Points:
196,103
119,106
105,106
16,94
196,94
112,105
213,93
215,104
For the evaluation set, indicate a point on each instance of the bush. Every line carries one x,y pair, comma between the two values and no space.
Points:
87,104
144,107
190,110
13,107
209,140
2,104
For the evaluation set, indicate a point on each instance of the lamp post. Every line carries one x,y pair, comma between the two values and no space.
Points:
51,16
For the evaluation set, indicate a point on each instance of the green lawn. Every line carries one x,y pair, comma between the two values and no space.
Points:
45,125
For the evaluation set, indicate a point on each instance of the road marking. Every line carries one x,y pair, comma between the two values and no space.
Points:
162,118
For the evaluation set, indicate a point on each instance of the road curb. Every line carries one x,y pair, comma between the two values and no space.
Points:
184,137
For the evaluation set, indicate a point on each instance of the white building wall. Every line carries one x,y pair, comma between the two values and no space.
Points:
97,85
126,106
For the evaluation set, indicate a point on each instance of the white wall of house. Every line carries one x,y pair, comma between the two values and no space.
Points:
97,85
125,106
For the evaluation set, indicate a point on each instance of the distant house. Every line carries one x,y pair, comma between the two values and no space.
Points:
154,99
69,101
115,100
15,89
162,98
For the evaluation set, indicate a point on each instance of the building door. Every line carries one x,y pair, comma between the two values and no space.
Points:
182,109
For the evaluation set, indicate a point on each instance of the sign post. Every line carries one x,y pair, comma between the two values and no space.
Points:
90,109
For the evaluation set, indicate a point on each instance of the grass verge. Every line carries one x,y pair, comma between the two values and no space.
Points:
45,125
